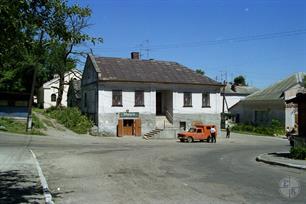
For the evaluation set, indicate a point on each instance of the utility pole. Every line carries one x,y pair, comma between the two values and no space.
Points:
29,118
30,104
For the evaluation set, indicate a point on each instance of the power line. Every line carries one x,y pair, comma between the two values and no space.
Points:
239,39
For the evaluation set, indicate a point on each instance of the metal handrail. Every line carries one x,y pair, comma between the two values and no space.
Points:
169,116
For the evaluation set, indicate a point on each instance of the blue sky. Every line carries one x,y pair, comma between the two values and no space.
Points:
196,34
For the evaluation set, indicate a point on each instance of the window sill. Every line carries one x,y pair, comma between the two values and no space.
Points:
117,106
187,106
206,106
139,106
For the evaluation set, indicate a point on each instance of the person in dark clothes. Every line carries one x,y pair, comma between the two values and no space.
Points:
228,132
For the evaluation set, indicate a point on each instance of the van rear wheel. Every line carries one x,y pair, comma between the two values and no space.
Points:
189,139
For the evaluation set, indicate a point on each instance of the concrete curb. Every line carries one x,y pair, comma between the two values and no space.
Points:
274,162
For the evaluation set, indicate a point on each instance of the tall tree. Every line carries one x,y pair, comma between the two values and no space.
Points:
67,31
22,23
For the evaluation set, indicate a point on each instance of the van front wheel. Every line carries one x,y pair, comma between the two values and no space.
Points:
189,140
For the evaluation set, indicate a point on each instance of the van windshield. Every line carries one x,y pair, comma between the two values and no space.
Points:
192,130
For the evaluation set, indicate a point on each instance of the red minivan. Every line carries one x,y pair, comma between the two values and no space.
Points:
199,132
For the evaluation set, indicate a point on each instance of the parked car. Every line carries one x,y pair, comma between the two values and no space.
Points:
199,132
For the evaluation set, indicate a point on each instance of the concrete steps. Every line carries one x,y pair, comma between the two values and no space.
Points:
154,132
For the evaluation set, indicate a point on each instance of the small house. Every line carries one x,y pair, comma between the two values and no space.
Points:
132,96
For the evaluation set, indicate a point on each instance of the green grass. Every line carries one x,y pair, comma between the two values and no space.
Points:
276,128
37,123
16,126
71,118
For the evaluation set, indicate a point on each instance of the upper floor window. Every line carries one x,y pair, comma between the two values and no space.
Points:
205,100
53,97
117,98
187,99
139,98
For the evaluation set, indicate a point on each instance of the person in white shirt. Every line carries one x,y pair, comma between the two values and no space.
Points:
213,134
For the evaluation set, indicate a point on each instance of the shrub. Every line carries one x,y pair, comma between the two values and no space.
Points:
71,118
298,153
276,128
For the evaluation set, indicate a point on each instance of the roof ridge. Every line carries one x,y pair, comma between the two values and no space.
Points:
139,60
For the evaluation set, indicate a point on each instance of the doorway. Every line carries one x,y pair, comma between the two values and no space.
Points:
128,126
159,103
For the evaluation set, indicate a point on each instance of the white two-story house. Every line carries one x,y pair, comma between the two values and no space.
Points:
133,96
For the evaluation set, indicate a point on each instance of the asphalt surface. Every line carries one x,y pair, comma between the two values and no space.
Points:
83,169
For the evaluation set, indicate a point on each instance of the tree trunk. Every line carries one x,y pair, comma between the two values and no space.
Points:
60,89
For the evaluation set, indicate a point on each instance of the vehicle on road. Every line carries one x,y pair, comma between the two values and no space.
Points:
199,133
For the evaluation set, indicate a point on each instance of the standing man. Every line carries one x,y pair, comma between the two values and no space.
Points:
228,132
213,134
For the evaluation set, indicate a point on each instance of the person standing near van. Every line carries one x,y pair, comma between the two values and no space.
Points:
213,134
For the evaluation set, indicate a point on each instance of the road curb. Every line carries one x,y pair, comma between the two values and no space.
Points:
279,163
43,181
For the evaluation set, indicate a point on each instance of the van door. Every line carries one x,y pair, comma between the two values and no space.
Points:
199,134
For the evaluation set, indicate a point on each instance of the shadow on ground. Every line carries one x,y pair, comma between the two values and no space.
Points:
16,187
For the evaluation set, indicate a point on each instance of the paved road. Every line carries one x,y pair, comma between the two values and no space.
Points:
133,170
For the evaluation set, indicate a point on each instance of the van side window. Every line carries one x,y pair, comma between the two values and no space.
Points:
199,130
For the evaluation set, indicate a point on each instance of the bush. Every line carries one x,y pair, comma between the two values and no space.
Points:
71,118
276,128
298,153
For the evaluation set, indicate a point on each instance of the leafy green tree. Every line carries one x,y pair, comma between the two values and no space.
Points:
67,31
19,42
240,80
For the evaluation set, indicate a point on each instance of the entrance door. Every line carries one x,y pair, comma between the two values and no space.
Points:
158,103
128,126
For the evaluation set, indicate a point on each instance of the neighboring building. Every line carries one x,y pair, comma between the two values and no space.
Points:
74,94
234,93
300,100
132,96
231,95
14,105
47,94
263,106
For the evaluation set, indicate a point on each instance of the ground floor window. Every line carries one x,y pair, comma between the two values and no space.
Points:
53,97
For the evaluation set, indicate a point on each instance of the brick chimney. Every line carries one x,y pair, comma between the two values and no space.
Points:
135,55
